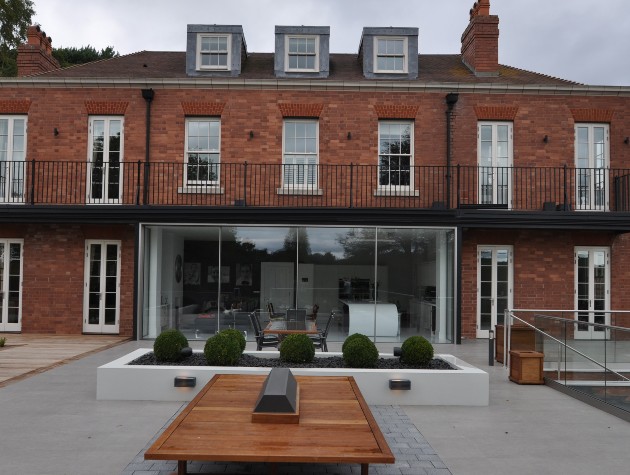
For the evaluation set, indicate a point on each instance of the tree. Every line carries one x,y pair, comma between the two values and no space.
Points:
86,54
15,18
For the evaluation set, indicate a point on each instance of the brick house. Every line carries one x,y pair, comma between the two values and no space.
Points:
409,193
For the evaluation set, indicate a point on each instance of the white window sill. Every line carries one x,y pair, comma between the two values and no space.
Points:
201,189
299,191
396,192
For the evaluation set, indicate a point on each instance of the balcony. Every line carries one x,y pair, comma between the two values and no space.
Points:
314,186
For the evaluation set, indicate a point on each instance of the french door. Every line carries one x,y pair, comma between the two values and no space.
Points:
11,285
591,163
592,291
105,160
12,156
494,286
495,163
101,301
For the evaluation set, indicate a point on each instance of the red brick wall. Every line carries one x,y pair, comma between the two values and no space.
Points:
53,275
543,268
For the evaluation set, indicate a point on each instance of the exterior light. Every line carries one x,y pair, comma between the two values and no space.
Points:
401,384
185,382
546,139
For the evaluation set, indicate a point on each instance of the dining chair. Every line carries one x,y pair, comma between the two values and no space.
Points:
272,313
261,338
319,340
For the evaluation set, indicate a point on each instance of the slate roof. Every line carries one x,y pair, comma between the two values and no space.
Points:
432,68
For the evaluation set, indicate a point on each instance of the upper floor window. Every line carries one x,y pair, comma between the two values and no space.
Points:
203,151
105,159
395,155
592,152
300,154
12,156
302,53
494,148
390,55
213,52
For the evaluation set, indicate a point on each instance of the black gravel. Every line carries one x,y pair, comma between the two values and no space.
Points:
198,359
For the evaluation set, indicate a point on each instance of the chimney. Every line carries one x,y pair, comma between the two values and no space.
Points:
480,41
35,56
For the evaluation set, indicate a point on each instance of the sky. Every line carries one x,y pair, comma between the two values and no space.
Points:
587,41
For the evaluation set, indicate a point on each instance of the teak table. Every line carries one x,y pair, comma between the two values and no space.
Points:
335,426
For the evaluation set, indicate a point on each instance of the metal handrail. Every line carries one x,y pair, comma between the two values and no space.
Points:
509,313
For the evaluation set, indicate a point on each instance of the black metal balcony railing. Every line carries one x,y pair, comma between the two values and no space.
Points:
338,186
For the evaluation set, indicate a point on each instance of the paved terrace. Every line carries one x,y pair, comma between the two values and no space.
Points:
52,423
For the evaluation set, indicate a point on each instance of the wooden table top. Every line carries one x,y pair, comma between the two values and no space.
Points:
287,327
335,426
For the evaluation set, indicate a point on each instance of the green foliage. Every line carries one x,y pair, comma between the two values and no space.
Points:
3,340
86,54
168,345
15,18
416,351
237,335
360,352
222,350
297,348
351,338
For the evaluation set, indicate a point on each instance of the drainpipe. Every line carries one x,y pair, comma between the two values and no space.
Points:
147,95
451,100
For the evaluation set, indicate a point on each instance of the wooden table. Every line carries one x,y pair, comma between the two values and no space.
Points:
289,327
335,426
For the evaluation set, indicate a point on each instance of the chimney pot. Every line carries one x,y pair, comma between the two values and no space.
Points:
480,41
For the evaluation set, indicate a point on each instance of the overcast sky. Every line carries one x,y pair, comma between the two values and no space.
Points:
582,40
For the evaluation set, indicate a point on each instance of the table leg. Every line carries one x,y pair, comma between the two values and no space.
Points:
364,468
181,467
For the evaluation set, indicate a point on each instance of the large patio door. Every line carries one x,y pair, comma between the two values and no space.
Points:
105,160
494,286
10,285
592,291
495,163
101,302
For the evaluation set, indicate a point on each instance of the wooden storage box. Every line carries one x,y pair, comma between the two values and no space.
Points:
526,367
523,338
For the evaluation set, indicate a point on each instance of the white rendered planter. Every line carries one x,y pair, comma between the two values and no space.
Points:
466,386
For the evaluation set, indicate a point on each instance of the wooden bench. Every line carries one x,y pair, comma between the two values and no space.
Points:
335,426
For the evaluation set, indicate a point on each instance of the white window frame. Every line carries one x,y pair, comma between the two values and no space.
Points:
200,52
491,172
201,185
288,54
595,174
12,171
405,54
396,189
101,326
495,315
591,332
105,195
305,185
4,288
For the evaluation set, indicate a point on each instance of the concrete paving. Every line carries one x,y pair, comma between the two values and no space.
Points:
52,424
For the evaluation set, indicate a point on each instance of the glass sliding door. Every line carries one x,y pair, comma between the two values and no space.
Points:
381,282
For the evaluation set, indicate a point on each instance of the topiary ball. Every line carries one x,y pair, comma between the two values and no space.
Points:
237,335
352,337
416,351
297,348
222,350
168,345
360,353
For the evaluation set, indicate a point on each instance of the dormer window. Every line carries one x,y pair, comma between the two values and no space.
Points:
302,53
213,52
390,55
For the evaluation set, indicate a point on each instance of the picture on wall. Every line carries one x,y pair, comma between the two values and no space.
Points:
192,273
213,274
244,275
